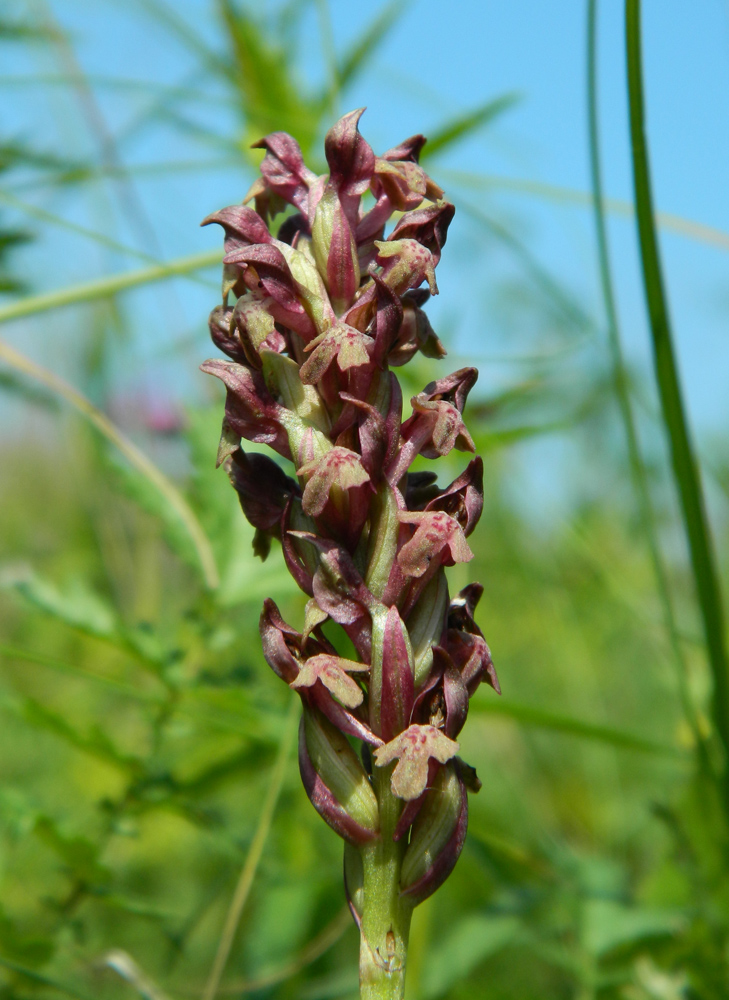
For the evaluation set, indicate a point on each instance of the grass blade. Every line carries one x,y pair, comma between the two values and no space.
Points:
90,234
174,500
467,123
571,311
102,288
317,947
542,719
271,98
687,228
685,469
620,382
30,656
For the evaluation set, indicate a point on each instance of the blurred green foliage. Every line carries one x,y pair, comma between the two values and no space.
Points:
141,728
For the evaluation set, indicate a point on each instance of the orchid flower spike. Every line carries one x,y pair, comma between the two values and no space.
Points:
319,302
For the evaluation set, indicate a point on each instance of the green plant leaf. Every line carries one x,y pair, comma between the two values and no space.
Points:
77,606
622,388
79,855
42,980
138,488
33,950
610,925
96,743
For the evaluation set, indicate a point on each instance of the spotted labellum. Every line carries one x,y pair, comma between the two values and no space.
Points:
313,320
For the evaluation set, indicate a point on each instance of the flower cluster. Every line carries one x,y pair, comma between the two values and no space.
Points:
323,310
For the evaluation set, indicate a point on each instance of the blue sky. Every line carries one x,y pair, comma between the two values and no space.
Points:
440,60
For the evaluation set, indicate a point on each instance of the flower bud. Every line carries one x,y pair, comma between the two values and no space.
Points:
406,264
351,162
250,410
264,270
335,250
425,625
335,781
263,489
309,284
255,328
437,836
224,338
283,169
428,226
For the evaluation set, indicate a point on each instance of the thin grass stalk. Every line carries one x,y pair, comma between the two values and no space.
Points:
685,469
90,234
572,312
129,201
102,288
317,947
622,387
171,495
250,867
687,228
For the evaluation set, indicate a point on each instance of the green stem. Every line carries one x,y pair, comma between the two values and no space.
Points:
622,389
385,917
684,465
102,288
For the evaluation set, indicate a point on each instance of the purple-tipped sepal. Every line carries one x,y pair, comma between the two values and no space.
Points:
250,410
284,173
465,642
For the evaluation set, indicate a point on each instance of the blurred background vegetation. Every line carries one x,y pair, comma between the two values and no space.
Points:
146,764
